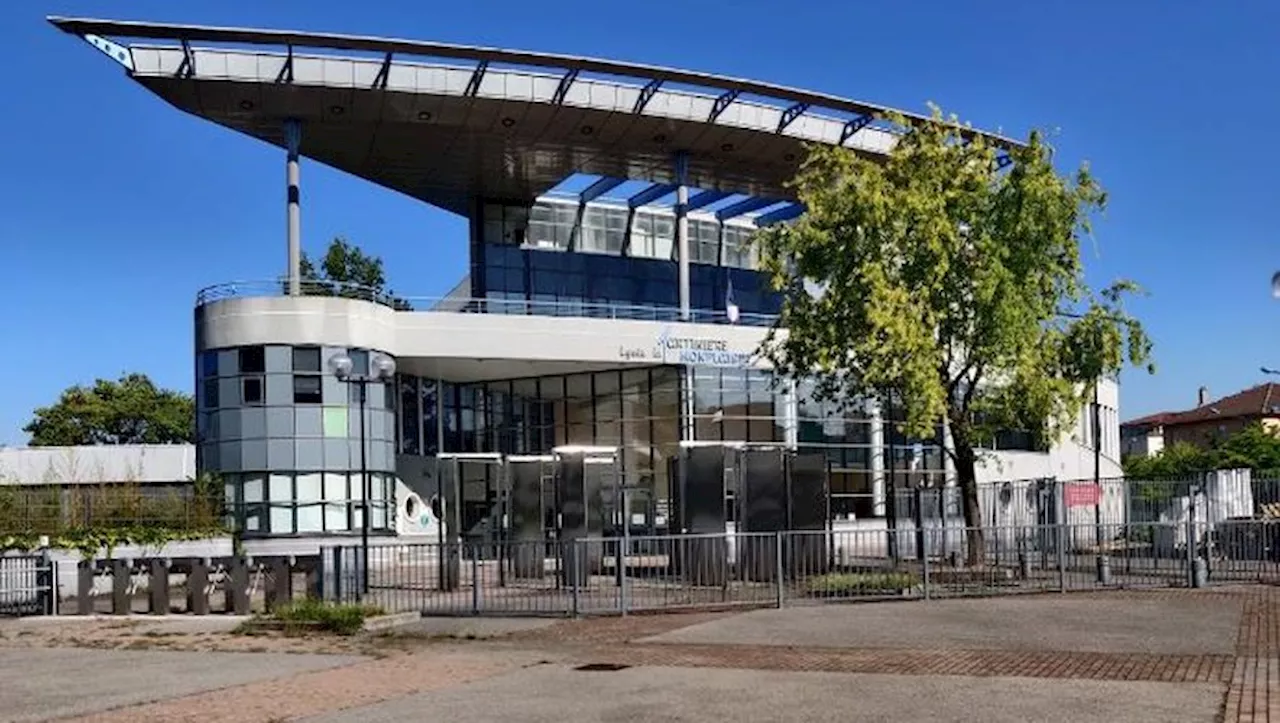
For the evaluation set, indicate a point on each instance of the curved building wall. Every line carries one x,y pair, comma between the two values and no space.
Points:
284,434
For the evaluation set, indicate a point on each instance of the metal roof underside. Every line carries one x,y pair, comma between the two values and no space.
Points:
448,134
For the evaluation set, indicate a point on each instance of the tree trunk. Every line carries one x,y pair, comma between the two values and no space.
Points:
975,542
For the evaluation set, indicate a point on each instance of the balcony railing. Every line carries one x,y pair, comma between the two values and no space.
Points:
465,305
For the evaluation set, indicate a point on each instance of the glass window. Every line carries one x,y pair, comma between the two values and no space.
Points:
551,225
310,508
307,389
739,248
704,241
253,360
281,499
208,364
210,394
410,416
359,361
251,390
306,359
335,496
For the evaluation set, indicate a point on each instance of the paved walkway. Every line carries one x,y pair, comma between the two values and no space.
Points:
1134,656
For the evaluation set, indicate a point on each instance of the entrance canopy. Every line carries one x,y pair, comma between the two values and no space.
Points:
449,124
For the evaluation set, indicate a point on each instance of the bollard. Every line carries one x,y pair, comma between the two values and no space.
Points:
121,600
158,586
1104,570
84,587
197,582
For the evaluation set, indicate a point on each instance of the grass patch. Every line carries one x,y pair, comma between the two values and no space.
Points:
314,616
860,583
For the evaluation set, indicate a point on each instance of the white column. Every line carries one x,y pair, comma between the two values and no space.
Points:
877,458
682,232
791,415
293,138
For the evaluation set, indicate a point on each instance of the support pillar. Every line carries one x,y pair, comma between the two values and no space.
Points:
293,138
682,232
876,440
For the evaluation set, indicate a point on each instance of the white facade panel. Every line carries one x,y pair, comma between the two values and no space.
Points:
141,464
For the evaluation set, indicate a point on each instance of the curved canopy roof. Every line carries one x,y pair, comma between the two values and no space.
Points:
507,125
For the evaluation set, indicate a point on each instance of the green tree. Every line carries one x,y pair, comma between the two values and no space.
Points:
132,410
1177,461
937,279
349,272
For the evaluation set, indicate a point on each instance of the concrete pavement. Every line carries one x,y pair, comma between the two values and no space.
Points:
1186,625
557,693
43,684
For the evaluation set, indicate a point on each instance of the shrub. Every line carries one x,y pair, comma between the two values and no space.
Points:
339,618
855,583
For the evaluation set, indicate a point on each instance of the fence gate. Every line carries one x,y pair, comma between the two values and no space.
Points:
27,585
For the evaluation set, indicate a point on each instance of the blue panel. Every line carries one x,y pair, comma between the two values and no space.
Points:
651,194
786,213
599,188
744,206
705,198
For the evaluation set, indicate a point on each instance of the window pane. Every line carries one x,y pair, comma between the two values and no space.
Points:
211,393
409,415
281,492
307,389
359,361
209,364
252,360
251,390
309,496
335,495
306,359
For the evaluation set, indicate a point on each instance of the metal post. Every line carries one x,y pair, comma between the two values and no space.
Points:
919,520
475,580
293,139
777,569
625,549
367,487
47,583
1191,538
682,232
1099,563
1060,516
924,573
574,568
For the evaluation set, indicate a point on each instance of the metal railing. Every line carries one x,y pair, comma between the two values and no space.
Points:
607,576
467,305
27,585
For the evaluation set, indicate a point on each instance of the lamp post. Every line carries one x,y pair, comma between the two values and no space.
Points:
381,369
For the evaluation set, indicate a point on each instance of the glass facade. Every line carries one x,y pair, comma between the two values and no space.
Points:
559,258
284,437
640,412
636,410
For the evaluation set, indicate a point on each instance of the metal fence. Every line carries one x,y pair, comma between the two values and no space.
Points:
667,572
28,585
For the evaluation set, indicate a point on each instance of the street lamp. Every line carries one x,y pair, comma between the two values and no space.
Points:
382,369
1267,370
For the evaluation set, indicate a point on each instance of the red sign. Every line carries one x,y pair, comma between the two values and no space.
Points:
1082,495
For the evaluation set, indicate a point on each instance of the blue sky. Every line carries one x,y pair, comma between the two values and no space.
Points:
116,208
